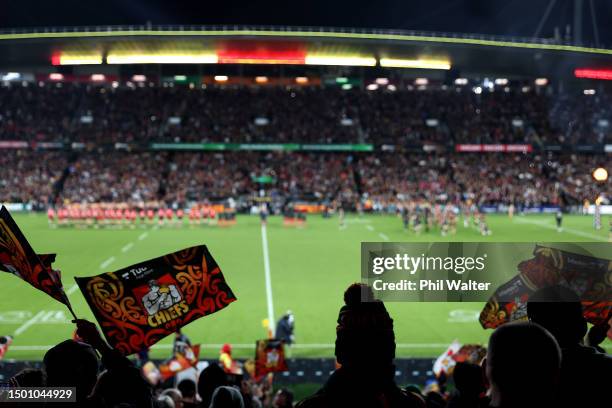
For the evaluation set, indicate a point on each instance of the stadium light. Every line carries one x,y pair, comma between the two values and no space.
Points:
221,78
415,63
341,80
525,89
261,79
170,58
600,174
139,78
98,77
372,87
382,81
541,81
477,90
301,80
55,76
180,77
589,92
391,87
67,58
347,86
605,74
421,81
11,76
358,61
461,81
501,81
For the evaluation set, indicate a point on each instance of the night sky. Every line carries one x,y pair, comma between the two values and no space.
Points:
499,17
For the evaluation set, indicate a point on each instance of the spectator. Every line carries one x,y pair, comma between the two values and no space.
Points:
470,387
285,328
365,349
522,366
210,379
187,388
176,396
558,309
283,399
72,364
226,397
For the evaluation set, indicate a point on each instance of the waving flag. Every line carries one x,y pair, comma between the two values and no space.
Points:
446,362
180,361
18,257
269,357
139,305
589,277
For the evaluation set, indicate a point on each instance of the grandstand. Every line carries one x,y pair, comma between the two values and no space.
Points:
122,143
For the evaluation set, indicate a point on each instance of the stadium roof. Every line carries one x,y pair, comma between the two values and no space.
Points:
294,45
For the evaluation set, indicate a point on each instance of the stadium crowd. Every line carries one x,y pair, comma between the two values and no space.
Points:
382,179
540,363
86,113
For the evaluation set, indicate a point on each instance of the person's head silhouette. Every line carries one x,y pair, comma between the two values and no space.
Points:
558,310
364,336
522,365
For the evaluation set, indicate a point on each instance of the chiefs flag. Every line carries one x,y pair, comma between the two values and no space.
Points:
589,277
18,257
143,303
269,357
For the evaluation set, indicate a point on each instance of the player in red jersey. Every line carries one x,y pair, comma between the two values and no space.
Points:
51,217
169,214
179,216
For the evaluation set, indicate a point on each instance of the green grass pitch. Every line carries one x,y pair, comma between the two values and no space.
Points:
310,268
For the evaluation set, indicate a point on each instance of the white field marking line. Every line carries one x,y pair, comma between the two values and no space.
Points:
369,228
383,236
106,263
72,289
568,230
143,236
29,322
127,247
304,346
266,258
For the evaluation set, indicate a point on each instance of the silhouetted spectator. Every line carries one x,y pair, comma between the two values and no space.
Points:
470,387
28,377
522,366
121,382
176,396
226,397
585,373
72,364
210,379
365,349
187,388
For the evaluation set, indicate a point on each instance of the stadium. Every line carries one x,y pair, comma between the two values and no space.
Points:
283,149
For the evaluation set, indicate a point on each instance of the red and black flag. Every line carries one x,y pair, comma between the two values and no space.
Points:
589,277
139,305
18,257
5,343
269,357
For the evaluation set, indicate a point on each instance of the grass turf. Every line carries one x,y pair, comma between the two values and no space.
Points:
310,268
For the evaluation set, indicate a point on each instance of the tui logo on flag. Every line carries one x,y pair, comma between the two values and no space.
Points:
269,357
18,257
139,305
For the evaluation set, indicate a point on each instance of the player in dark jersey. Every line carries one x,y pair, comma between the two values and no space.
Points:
559,220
